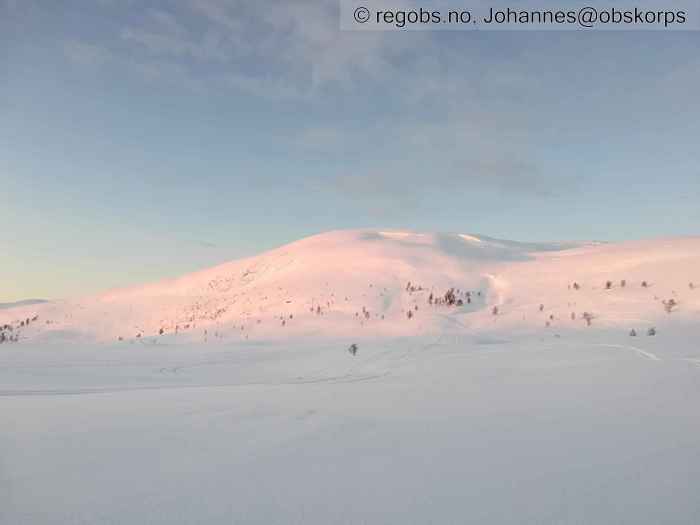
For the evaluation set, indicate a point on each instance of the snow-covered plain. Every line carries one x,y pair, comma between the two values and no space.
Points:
248,408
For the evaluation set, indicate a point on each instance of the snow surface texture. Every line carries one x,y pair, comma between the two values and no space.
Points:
257,412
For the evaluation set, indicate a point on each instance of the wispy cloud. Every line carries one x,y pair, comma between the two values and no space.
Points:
432,104
85,53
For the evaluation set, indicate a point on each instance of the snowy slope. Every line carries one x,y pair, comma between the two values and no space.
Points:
585,428
453,416
356,283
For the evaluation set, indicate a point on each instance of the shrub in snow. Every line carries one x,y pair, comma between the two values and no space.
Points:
633,333
651,331
353,349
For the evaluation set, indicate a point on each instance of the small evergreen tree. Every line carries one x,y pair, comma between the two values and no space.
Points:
670,305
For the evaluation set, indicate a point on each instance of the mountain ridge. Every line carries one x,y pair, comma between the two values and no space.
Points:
385,283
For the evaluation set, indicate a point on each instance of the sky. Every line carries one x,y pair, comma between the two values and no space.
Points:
146,139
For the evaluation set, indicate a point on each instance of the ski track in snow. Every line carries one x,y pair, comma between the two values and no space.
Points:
643,353
693,360
346,378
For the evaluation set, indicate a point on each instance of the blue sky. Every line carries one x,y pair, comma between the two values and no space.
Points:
147,139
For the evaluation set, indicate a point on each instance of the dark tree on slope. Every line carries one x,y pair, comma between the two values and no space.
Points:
670,305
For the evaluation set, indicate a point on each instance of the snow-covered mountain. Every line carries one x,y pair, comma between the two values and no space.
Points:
367,283
24,302
471,409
